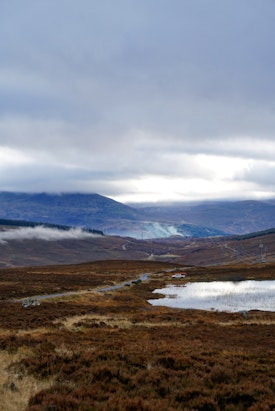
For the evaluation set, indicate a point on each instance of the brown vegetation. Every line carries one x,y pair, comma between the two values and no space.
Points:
114,351
180,250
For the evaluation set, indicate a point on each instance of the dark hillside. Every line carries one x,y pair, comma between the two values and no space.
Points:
113,218
89,210
7,224
95,212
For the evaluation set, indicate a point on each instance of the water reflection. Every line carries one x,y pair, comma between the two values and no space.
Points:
220,295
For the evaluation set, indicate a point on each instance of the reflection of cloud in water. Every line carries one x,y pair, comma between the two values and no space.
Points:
43,233
219,295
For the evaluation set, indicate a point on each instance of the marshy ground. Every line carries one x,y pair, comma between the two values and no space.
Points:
114,351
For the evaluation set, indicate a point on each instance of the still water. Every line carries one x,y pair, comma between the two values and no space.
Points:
220,296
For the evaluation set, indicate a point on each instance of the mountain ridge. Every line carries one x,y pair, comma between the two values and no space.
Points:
233,217
98,212
93,211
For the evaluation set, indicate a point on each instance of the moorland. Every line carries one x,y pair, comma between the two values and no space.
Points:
112,350
178,250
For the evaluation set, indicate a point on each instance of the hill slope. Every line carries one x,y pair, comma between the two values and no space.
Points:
96,212
234,217
35,251
68,209
113,218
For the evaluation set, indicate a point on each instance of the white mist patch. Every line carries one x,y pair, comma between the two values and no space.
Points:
44,233
157,230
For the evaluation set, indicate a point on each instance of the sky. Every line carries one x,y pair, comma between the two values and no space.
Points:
138,100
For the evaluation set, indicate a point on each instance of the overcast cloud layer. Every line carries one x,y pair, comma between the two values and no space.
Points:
138,100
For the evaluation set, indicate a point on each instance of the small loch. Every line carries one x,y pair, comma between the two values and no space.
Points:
219,296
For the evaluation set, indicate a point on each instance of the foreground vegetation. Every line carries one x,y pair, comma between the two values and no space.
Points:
114,351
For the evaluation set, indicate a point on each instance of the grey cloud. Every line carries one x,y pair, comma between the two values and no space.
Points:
107,91
261,173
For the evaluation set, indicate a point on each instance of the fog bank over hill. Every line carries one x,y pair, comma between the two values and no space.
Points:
44,233
146,230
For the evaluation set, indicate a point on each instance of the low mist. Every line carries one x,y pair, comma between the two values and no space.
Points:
44,233
157,230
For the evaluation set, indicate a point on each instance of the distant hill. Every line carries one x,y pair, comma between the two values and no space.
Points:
178,250
96,212
22,223
35,252
175,239
89,210
234,217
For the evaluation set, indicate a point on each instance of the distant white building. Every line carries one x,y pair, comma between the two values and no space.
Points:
179,275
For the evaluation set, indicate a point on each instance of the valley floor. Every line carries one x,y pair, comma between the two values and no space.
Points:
114,351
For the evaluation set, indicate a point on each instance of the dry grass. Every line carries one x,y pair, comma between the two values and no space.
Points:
116,352
17,388
82,321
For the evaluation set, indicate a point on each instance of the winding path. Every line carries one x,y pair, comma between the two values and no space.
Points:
142,277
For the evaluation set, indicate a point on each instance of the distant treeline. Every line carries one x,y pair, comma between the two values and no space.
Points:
23,223
256,234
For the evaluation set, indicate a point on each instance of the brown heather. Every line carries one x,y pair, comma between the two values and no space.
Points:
113,351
